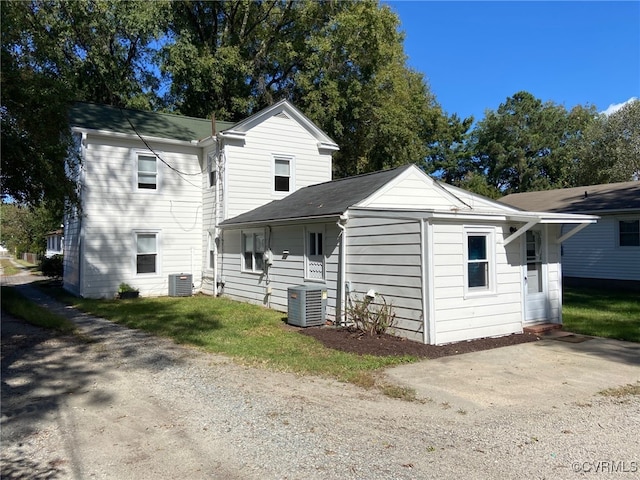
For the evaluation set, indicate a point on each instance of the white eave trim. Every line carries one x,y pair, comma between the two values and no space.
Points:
129,136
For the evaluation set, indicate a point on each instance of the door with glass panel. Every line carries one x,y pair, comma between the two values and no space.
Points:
535,285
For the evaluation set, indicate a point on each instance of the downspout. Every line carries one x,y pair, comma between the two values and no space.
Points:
341,304
423,280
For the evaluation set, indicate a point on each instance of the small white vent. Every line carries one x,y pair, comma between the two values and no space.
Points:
283,115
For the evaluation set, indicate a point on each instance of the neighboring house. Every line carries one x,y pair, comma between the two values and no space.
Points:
55,242
153,188
606,253
454,265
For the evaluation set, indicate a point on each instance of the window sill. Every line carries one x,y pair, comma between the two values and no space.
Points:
469,295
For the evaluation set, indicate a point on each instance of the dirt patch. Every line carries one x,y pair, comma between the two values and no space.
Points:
348,340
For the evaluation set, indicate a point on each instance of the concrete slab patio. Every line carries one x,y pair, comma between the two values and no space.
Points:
550,371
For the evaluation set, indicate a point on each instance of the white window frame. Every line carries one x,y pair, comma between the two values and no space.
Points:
211,251
620,220
292,178
258,247
315,231
157,253
136,171
212,171
490,245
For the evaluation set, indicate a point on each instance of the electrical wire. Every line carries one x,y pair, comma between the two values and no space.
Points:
157,155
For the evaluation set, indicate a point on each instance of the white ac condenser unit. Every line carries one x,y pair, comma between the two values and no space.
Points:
307,305
180,285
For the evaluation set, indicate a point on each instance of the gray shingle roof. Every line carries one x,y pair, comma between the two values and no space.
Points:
148,124
321,200
588,199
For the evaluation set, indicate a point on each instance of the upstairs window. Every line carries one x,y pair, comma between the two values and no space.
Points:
253,247
629,231
147,172
282,169
146,253
211,170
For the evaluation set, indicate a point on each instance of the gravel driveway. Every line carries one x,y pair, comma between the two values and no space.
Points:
124,405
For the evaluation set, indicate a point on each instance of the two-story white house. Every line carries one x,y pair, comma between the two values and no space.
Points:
154,187
249,210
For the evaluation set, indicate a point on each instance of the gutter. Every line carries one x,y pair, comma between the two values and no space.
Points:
110,134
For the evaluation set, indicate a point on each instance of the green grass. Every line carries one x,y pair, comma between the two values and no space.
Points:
17,305
251,334
8,267
602,313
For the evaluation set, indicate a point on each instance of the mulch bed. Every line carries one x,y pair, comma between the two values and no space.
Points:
347,340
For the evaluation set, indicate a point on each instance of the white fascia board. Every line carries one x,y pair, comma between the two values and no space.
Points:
232,135
284,221
128,136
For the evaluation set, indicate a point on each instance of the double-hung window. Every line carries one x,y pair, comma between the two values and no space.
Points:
253,247
629,233
147,166
146,253
211,170
282,173
479,259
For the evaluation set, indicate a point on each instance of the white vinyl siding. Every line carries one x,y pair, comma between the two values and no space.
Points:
384,255
461,316
112,211
288,247
595,252
250,168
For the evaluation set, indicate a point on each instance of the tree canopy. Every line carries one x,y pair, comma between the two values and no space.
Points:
342,63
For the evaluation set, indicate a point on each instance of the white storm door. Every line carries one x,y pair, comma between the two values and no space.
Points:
535,288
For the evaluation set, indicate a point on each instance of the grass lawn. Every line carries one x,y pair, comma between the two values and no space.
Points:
18,306
602,313
252,334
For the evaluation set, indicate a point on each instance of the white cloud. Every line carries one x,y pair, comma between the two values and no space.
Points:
614,107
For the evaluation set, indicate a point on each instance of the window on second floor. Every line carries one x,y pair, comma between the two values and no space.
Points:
629,233
282,174
147,172
211,170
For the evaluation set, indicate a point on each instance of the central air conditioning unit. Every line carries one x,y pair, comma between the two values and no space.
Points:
180,285
307,305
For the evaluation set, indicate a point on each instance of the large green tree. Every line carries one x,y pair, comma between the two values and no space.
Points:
54,52
341,63
528,145
610,150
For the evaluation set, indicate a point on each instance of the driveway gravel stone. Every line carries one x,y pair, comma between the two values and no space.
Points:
125,405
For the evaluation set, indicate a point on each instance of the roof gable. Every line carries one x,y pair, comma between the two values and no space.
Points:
91,116
322,200
593,198
282,108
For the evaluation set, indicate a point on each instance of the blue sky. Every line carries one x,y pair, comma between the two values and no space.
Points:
476,54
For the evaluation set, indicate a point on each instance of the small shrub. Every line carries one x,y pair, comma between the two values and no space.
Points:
52,267
371,318
125,287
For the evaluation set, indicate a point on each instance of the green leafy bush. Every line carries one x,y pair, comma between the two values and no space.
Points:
52,267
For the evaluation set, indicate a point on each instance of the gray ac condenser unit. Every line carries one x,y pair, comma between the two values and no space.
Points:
180,285
307,305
